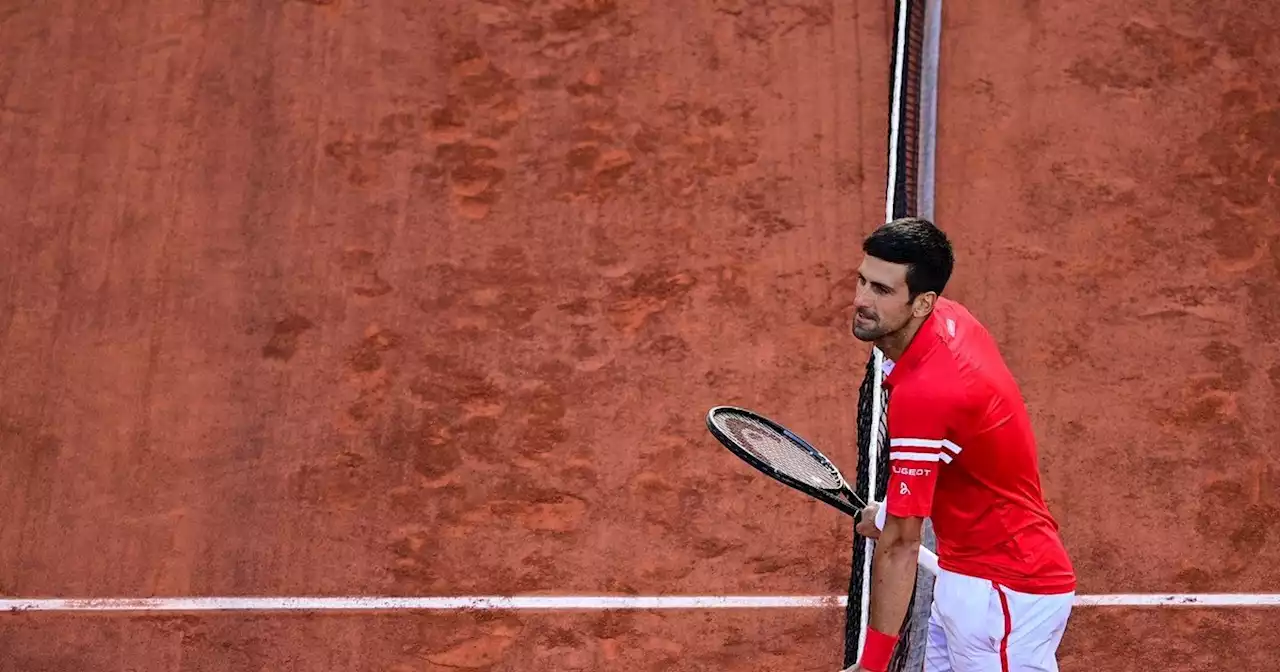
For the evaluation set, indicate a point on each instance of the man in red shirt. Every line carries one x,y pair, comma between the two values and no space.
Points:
961,452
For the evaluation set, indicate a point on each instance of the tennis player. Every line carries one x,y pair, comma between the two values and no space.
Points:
961,451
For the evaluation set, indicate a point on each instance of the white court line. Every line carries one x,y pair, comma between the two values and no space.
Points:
565,603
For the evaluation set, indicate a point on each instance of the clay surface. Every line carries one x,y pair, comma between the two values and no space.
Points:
403,298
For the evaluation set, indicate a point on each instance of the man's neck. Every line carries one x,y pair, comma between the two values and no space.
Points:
893,345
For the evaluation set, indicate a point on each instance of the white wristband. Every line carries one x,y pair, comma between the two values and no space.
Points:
880,514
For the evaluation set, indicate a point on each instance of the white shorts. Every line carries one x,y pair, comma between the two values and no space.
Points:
976,625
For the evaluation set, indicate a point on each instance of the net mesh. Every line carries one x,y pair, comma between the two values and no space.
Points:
777,451
908,194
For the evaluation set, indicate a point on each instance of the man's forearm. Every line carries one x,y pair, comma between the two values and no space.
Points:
893,573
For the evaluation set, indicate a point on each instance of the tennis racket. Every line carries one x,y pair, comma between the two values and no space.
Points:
782,455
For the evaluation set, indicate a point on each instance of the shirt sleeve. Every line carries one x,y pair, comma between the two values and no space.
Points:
917,425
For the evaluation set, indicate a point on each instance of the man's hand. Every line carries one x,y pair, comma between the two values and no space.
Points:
867,523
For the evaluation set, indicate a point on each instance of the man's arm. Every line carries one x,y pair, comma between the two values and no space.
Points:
917,427
893,578
893,572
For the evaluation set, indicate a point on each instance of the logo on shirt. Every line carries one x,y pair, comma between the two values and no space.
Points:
911,471
903,489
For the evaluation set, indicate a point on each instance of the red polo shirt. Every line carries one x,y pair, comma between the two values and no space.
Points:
962,451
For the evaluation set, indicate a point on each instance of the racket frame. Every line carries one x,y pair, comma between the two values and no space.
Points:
852,506
926,558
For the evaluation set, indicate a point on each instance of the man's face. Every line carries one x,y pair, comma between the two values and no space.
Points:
882,304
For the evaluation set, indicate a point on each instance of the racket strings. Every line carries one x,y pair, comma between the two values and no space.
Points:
778,451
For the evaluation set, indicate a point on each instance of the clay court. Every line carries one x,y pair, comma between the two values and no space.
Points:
352,299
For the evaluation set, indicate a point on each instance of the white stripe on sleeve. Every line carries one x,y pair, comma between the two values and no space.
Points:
914,457
915,443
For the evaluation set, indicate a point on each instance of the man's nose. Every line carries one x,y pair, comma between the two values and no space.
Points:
861,297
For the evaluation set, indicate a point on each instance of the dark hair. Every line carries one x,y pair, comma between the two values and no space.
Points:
920,245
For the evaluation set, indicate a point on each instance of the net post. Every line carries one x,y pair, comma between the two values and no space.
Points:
929,55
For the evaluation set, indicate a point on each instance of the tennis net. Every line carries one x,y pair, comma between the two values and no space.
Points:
909,193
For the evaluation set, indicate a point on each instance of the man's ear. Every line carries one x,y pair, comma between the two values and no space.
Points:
923,304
